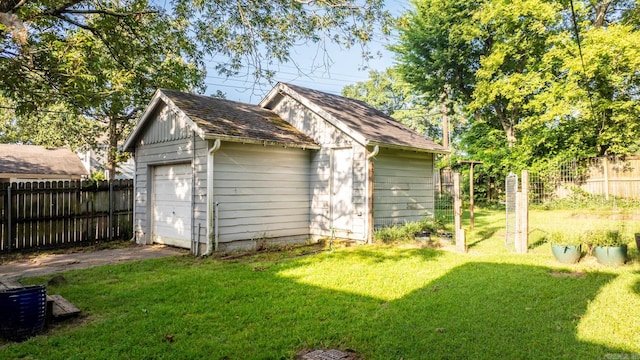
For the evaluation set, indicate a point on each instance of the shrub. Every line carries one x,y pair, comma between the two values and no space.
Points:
605,237
564,239
405,232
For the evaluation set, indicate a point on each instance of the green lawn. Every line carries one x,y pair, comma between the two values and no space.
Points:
384,302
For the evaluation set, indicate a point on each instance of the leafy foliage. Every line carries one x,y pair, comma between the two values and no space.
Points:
605,237
537,80
406,232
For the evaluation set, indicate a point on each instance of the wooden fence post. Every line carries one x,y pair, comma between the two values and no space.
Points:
110,225
9,222
457,212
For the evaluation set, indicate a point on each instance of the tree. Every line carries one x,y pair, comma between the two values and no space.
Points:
590,104
104,59
537,79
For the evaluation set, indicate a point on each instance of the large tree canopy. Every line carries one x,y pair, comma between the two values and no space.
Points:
102,60
538,79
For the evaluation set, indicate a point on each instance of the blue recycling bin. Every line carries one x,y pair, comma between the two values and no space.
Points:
23,312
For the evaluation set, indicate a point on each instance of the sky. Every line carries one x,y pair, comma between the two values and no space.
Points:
311,67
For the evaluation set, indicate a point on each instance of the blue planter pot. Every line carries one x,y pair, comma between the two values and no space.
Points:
567,254
22,312
611,255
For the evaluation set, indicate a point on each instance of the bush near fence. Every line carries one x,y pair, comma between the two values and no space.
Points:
35,215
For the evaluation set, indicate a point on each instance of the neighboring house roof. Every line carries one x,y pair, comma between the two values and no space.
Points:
24,160
226,120
363,122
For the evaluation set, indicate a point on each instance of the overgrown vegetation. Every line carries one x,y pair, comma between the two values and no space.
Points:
407,231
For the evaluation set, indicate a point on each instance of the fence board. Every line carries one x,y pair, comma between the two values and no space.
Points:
63,213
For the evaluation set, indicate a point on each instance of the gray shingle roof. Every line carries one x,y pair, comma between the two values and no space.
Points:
376,126
230,119
38,160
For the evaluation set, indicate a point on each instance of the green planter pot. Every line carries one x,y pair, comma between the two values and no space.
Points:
611,255
566,254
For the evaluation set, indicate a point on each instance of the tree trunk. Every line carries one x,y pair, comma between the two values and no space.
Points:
112,150
601,12
507,125
445,120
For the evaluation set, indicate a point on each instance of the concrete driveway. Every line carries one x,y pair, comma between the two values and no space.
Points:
54,263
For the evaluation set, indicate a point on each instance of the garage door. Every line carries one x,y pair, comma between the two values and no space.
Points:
172,205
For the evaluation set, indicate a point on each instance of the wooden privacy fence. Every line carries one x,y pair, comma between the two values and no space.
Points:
63,213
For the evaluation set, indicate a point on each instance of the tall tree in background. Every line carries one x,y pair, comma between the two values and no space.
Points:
529,91
590,104
102,60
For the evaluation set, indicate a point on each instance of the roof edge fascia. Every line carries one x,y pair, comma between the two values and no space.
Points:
261,142
408,148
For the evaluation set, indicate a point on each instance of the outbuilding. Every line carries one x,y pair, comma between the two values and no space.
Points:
25,163
218,175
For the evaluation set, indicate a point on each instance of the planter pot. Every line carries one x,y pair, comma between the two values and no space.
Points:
446,237
611,255
22,312
422,236
566,254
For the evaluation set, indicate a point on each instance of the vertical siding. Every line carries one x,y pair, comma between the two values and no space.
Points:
403,187
262,192
167,140
329,137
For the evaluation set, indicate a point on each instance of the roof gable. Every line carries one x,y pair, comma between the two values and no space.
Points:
38,160
363,122
226,120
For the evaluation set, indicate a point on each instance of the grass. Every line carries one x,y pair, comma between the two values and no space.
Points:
384,302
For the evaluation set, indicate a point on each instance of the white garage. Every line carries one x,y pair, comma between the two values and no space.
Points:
219,175
171,204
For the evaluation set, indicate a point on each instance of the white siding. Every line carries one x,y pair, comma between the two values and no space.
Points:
180,146
262,194
327,135
403,187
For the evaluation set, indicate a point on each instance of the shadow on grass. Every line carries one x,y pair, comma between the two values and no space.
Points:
485,234
379,255
234,311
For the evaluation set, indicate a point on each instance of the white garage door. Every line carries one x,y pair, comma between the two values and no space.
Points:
172,205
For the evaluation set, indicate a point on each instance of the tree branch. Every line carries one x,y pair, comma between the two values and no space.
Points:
109,13
96,33
339,4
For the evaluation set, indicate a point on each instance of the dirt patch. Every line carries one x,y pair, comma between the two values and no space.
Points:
575,275
330,354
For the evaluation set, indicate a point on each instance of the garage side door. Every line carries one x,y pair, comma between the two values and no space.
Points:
171,205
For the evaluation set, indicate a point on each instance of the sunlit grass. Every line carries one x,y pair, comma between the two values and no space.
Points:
384,302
